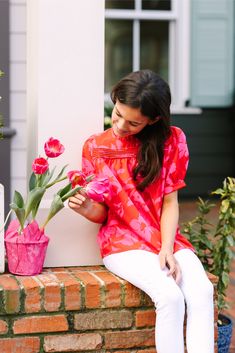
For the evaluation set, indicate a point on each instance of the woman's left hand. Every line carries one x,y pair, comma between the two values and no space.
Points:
167,259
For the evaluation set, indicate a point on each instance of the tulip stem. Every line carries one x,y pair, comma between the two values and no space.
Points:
7,217
56,181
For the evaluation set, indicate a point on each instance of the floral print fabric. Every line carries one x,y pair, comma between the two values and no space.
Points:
133,220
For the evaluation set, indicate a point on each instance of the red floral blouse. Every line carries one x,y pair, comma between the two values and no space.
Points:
133,220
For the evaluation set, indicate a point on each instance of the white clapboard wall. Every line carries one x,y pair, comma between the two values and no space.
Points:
2,250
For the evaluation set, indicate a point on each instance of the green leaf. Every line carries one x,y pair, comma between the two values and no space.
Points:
225,279
32,181
59,177
208,243
64,191
230,240
48,177
61,172
20,213
56,205
42,178
71,193
218,191
33,201
224,206
18,200
35,209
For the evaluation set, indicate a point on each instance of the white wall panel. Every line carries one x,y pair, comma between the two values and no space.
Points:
18,164
19,141
17,17
18,94
18,2
18,106
18,47
65,85
18,76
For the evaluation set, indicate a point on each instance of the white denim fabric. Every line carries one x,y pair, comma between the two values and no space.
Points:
142,269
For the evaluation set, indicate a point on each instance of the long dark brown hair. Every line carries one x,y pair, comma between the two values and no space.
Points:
147,91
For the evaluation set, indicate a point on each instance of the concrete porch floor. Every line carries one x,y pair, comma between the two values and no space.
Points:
188,210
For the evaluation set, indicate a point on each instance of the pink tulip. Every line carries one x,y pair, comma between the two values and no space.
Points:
97,188
77,178
40,165
53,148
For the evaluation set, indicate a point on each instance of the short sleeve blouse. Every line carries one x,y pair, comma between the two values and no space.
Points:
133,220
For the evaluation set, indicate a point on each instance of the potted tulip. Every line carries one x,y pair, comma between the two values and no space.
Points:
25,238
214,244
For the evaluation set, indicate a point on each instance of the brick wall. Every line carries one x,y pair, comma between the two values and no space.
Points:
79,309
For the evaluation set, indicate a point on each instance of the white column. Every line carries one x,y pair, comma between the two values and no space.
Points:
2,249
65,81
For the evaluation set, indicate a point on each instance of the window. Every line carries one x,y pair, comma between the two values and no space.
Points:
153,34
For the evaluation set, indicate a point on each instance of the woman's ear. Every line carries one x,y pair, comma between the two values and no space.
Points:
151,122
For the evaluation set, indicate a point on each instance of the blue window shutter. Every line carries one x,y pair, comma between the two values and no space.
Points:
212,53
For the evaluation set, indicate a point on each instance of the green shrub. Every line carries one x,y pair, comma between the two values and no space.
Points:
214,243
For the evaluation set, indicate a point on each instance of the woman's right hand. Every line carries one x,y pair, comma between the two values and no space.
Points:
80,203
92,210
167,259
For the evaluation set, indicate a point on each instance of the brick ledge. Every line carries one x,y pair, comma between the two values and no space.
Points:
75,309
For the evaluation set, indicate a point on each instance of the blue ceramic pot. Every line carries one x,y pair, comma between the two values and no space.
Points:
224,334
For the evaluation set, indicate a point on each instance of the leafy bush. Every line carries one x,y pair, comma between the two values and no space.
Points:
214,243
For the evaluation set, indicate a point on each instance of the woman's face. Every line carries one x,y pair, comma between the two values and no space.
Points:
128,121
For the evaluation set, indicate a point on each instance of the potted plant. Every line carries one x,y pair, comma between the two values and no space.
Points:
214,245
25,239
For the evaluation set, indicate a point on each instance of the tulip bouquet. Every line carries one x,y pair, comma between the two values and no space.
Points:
25,229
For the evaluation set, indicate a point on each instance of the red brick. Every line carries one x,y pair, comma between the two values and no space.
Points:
145,318
52,291
86,268
92,289
153,350
55,269
33,324
212,278
3,327
72,290
100,320
32,294
20,345
11,293
129,339
132,295
122,351
146,300
112,289
72,343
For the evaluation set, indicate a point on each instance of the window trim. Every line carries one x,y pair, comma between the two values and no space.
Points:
179,46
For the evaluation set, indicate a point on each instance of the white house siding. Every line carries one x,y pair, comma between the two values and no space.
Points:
18,93
65,85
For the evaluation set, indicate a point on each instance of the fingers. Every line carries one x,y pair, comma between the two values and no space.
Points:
175,272
76,201
178,275
171,264
174,269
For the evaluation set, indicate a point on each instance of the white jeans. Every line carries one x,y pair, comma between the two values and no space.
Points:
142,269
